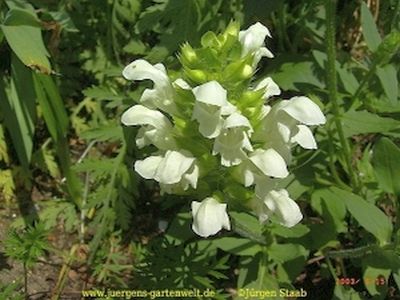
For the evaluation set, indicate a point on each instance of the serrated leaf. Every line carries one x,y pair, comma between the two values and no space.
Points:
7,187
386,165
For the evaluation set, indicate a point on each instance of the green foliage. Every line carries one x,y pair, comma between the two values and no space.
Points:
28,246
62,146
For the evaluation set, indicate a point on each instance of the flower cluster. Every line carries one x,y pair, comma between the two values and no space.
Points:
215,135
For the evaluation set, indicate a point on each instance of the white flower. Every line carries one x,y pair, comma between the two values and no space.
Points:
211,104
284,125
233,139
252,41
209,217
276,203
174,168
269,86
156,128
162,96
260,165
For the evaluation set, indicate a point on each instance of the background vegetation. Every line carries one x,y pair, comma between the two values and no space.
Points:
70,199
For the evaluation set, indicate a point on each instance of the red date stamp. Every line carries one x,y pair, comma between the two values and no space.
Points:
350,281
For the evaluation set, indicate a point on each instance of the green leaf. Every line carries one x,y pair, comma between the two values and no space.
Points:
247,226
347,293
388,77
26,40
386,163
293,75
20,110
286,252
370,217
325,202
369,29
360,122
371,277
18,16
52,106
237,246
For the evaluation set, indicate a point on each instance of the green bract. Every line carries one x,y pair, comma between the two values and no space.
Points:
215,132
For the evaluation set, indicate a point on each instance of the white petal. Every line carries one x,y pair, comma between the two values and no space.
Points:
141,69
173,166
209,217
209,118
304,137
182,84
141,115
285,209
269,162
304,110
269,86
260,209
228,109
237,120
211,93
284,131
147,168
191,178
253,38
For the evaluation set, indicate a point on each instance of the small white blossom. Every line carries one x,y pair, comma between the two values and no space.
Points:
209,217
175,167
276,203
156,128
162,96
252,41
233,140
269,86
211,104
285,124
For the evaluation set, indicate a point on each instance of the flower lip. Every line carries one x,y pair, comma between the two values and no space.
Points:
269,162
209,217
211,93
303,110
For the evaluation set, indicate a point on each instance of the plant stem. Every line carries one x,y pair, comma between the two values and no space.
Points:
330,6
26,282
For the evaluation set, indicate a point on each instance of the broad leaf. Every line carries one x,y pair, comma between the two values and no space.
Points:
386,164
369,29
360,122
26,40
367,215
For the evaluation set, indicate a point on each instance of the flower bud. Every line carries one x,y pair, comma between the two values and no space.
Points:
196,75
188,55
239,70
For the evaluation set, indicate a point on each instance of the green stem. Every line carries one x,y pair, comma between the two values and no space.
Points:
332,84
358,252
26,282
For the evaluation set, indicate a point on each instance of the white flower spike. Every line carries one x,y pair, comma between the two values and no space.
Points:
209,217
